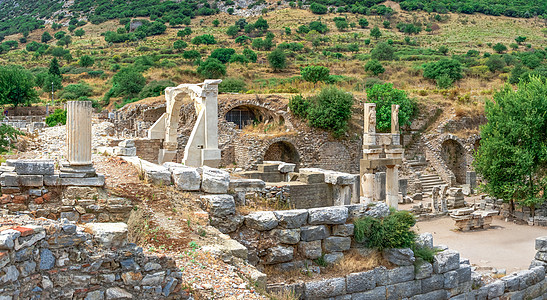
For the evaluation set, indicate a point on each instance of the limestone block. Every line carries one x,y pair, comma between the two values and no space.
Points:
153,279
278,254
313,233
360,282
262,220
343,230
127,143
215,181
400,257
328,215
295,218
34,167
220,205
325,288
424,270
31,180
117,293
435,282
186,179
450,279
157,175
125,151
425,240
108,234
377,210
331,258
87,181
400,274
495,289
336,244
404,290
446,260
247,185
286,167
287,236
311,250
311,177
541,243
9,179
51,180
7,238
338,178
377,293
434,295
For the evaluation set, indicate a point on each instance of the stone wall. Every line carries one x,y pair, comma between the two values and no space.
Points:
59,260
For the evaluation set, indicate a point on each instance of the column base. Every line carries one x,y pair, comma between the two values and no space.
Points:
69,170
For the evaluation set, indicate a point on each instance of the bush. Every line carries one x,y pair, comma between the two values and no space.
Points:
277,60
206,39
127,82
495,63
299,106
382,51
232,85
392,231
211,68
444,81
331,110
75,91
155,88
223,54
250,54
449,67
499,47
86,61
384,95
374,66
57,117
318,26
315,73
363,22
317,8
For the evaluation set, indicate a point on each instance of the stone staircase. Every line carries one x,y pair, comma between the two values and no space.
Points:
429,181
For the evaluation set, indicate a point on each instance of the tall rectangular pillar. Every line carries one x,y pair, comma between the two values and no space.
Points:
78,130
392,186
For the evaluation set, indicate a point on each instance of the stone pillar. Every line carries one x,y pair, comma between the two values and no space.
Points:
367,185
78,131
471,179
392,186
380,186
403,187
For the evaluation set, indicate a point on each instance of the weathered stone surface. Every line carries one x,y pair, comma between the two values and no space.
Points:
376,210
227,224
343,230
247,185
403,290
11,274
435,295
262,220
313,233
328,215
292,218
446,260
153,279
450,279
95,295
9,179
287,236
47,260
31,180
326,288
220,205
400,257
117,293
541,244
311,250
215,181
278,254
360,282
169,287
435,282
495,289
34,167
425,240
87,181
331,258
108,234
336,244
375,294
424,270
7,238
400,274
339,178
186,179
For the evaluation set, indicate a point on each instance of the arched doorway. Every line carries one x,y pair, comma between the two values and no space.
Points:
282,151
241,116
453,154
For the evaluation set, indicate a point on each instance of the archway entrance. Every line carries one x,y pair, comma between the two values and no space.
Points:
453,154
282,151
241,116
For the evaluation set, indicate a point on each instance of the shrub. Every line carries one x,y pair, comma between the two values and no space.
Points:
495,63
315,73
191,55
75,91
155,88
317,8
211,68
382,51
384,95
179,45
499,47
392,231
277,60
299,106
250,54
57,117
223,54
232,85
374,66
331,110
450,67
363,22
206,39
127,82
86,61
239,58
444,81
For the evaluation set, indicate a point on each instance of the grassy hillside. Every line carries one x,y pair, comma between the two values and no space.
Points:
467,38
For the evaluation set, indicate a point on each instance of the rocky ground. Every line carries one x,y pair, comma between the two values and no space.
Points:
171,222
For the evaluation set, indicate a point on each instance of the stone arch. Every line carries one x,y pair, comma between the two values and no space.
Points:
282,151
242,116
454,155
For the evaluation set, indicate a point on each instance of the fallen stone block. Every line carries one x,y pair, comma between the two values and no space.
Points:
186,179
445,261
87,181
328,215
278,254
34,167
262,220
220,206
215,181
295,218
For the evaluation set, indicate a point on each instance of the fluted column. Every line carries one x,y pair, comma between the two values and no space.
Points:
78,131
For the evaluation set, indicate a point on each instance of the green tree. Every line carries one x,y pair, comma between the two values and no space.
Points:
250,54
443,50
242,39
512,156
59,35
375,32
179,45
317,8
54,68
374,66
261,24
79,32
46,37
232,31
191,55
184,32
64,41
211,68
17,86
315,73
382,51
341,24
386,24
363,23
216,22
384,95
127,83
514,46
331,110
520,39
86,61
499,47
223,54
495,63
277,60
444,67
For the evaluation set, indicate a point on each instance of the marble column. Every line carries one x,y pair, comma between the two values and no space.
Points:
367,183
392,186
78,131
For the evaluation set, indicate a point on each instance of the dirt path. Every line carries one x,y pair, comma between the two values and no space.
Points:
504,246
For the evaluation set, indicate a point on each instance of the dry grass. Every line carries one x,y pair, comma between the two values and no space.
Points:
283,295
262,204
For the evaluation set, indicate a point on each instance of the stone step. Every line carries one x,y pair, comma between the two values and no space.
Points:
433,183
430,180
